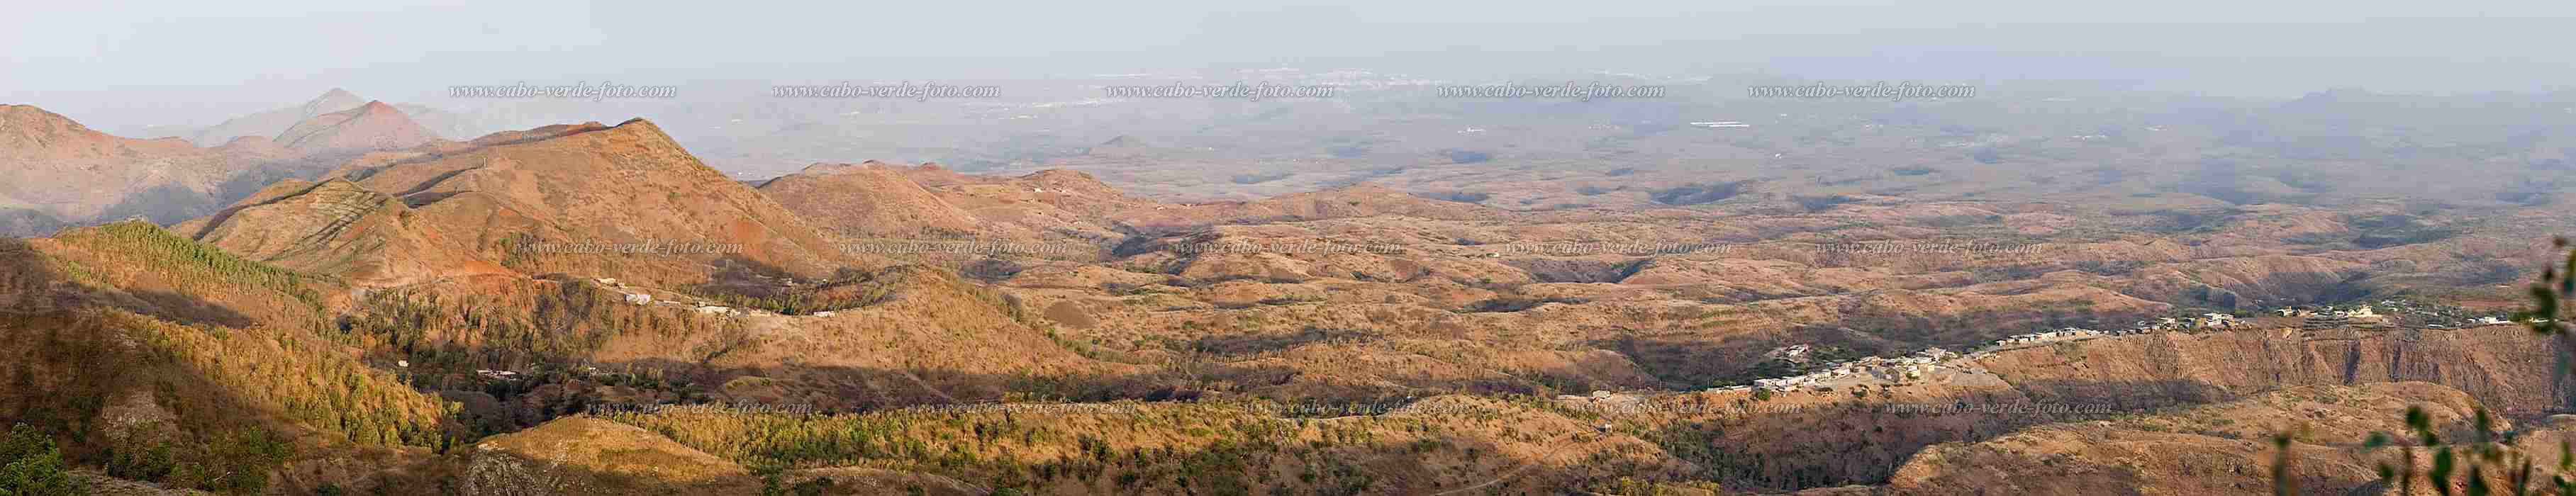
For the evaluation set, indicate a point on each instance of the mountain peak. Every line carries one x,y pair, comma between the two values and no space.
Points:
28,132
336,94
334,100
373,125
538,133
1064,176
556,184
1124,141
641,128
273,122
1123,146
827,168
13,116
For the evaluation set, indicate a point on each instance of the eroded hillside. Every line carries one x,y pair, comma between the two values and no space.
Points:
461,312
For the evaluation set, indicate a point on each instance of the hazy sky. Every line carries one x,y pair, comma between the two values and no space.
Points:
129,63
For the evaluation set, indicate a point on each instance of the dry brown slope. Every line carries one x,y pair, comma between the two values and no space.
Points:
54,168
586,455
623,201
2504,366
2223,448
131,338
336,227
869,200
56,172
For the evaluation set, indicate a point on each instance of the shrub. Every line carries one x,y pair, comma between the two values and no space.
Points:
30,465
203,268
237,461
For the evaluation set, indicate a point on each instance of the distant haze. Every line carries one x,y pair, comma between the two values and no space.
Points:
194,63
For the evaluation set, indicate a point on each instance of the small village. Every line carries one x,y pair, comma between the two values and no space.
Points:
2365,316
710,310
1937,364
1867,370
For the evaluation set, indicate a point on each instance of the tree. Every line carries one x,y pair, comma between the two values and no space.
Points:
30,465
730,336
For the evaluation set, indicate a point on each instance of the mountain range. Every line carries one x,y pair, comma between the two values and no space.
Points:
351,302
62,173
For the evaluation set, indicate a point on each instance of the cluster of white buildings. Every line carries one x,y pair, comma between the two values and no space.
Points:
1875,370
1792,353
1788,383
2056,335
2481,322
2172,324
2204,321
645,299
2167,324
1922,364
632,298
2362,313
1866,370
